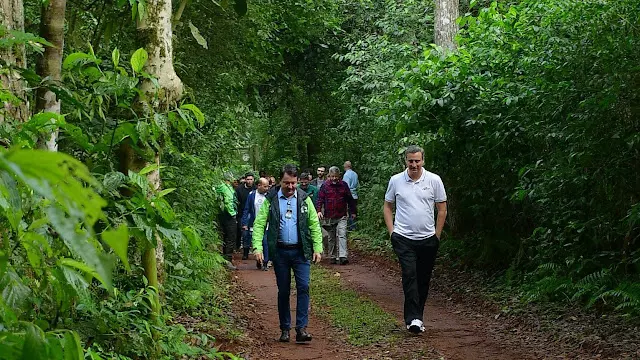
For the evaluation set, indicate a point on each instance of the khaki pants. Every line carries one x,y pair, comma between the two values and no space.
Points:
336,230
325,241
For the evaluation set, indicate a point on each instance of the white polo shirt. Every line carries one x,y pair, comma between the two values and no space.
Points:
415,203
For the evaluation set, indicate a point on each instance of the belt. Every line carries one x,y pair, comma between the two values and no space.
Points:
281,245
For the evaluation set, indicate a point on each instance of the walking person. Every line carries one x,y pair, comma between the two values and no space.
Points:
351,178
252,208
311,190
242,193
293,239
415,235
227,218
322,177
334,204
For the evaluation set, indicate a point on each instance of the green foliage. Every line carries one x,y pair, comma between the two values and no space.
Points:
53,206
70,216
138,60
531,124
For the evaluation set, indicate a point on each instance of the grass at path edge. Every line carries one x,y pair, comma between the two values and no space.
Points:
364,322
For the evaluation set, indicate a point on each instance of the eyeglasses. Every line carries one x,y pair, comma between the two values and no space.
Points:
289,213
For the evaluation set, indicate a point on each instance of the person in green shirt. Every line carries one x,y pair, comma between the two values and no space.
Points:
227,217
294,239
304,185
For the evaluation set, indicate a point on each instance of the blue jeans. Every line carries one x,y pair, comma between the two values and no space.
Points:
292,259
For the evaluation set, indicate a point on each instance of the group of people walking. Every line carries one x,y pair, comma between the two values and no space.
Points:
285,224
334,197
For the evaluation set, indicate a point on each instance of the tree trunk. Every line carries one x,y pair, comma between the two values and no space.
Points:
12,15
446,27
155,33
50,66
152,257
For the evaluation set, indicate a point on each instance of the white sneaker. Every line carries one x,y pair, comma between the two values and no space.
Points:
416,326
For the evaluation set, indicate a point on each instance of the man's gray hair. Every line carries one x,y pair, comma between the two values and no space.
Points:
334,170
413,149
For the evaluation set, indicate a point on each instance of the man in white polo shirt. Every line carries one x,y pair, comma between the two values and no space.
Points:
415,236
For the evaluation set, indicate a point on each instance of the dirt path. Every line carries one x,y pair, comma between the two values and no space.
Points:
453,335
458,326
262,311
449,335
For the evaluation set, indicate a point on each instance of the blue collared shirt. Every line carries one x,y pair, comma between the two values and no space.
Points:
351,178
288,226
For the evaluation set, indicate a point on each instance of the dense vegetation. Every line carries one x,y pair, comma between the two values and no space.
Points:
108,243
532,124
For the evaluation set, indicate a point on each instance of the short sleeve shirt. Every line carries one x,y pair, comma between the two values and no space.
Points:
415,203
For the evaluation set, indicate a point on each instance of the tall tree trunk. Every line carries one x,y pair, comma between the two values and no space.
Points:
155,34
446,27
12,16
50,66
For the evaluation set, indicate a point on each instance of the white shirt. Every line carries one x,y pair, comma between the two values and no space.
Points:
415,203
257,203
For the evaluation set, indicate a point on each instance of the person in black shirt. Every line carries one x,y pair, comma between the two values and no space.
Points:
242,193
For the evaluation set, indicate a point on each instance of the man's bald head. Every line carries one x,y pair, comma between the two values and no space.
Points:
263,185
347,165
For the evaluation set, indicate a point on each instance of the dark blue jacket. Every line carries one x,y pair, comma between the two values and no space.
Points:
249,213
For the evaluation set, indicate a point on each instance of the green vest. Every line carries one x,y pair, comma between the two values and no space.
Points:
304,234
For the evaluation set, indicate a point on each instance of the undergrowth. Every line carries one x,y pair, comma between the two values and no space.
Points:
597,290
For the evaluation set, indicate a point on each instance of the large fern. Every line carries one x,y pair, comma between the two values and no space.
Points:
625,297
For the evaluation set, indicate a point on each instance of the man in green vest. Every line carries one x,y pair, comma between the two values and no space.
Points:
294,239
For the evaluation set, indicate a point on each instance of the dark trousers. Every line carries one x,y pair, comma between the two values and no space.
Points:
229,227
352,222
239,230
416,258
247,237
287,260
265,248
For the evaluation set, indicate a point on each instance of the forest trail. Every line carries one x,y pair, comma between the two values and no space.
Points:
450,334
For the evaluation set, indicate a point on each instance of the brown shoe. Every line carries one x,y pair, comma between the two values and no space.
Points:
302,335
